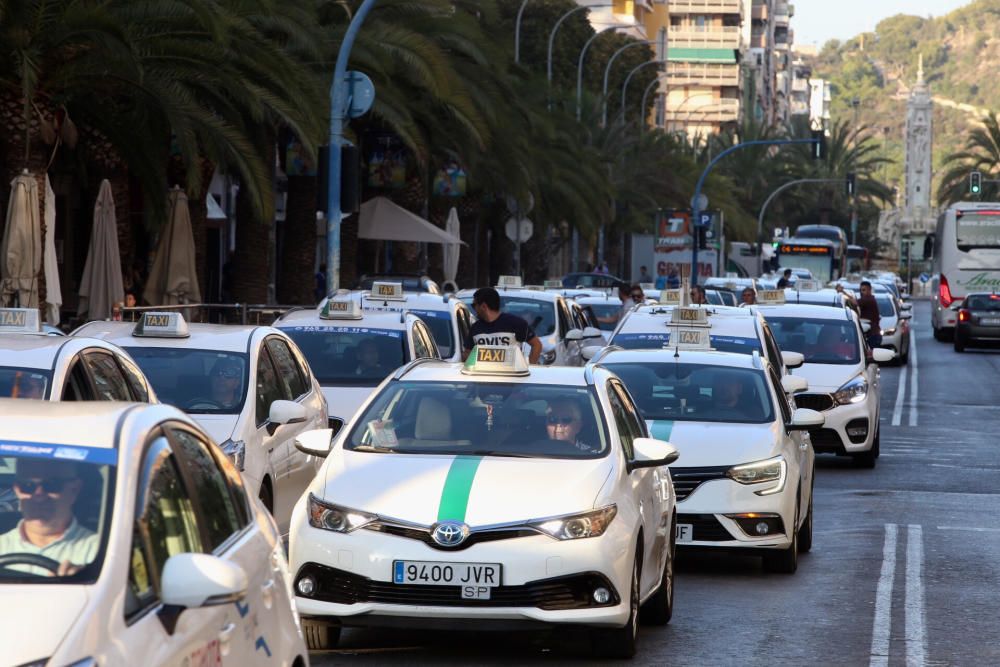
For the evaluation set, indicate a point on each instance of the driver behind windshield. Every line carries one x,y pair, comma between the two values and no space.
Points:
227,378
564,421
369,364
46,491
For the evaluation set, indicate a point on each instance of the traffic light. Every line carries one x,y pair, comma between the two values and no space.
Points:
975,182
819,145
851,184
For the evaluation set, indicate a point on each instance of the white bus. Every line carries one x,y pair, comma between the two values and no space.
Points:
966,259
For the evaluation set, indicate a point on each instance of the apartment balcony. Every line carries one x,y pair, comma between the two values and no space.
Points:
703,74
759,13
758,40
716,111
706,7
704,37
800,85
782,14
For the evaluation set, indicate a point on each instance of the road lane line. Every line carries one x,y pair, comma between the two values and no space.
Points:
913,381
916,641
882,624
974,529
897,412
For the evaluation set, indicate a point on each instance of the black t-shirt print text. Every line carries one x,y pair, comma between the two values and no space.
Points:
504,330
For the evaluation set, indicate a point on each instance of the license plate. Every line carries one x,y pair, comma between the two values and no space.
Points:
476,579
990,321
685,532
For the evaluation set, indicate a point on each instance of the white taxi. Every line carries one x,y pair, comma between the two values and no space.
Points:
745,477
549,315
487,495
37,365
353,342
162,558
842,375
248,386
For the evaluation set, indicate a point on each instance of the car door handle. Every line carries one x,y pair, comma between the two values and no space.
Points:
225,635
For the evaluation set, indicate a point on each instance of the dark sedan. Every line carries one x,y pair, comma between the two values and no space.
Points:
978,320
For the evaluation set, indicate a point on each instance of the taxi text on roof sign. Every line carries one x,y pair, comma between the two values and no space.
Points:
771,297
509,281
689,316
496,360
388,291
803,285
20,320
671,297
685,338
552,284
161,325
341,309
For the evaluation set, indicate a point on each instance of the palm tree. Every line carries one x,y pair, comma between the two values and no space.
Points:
981,153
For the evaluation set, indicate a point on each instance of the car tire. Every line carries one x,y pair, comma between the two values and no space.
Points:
806,531
867,459
620,642
267,496
941,335
784,561
659,609
320,636
960,343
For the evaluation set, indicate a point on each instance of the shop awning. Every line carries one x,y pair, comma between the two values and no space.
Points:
685,55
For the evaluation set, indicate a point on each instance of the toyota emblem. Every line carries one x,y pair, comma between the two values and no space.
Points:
449,533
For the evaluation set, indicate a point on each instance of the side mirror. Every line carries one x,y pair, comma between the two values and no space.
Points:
652,453
574,335
793,384
793,359
287,412
882,355
866,326
804,419
315,443
592,332
906,307
192,580
590,351
905,315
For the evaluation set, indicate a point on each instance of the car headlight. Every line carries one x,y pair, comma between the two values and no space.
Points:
888,332
578,526
236,450
338,519
547,358
854,391
760,472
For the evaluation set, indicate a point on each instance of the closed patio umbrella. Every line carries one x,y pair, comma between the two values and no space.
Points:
21,249
53,289
452,250
101,286
174,278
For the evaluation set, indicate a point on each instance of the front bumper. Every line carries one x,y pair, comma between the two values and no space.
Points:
710,507
841,420
542,580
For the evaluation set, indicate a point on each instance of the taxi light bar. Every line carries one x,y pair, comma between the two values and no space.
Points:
689,316
509,281
496,360
387,291
671,297
771,297
689,338
802,285
552,284
340,309
20,320
154,324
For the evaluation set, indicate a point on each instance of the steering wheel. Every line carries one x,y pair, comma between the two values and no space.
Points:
202,403
37,560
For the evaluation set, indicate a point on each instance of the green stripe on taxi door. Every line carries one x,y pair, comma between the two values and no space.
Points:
457,487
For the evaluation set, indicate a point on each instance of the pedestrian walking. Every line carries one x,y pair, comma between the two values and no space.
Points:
497,328
868,308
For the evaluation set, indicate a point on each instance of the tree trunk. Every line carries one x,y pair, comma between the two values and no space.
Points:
296,282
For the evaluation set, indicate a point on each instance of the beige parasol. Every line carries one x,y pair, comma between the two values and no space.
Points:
101,286
174,277
21,249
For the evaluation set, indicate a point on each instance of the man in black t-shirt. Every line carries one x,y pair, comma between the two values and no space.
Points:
496,328
785,280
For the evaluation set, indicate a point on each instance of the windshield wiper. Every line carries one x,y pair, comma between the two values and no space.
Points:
496,452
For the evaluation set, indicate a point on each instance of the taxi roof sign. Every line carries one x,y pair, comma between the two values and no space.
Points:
155,324
387,291
20,320
690,338
509,281
552,284
689,316
771,297
804,285
671,297
340,309
496,360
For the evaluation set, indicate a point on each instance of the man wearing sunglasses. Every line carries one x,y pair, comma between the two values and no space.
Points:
564,421
227,378
46,491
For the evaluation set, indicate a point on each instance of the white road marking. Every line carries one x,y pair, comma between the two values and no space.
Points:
916,640
973,529
913,381
882,624
897,411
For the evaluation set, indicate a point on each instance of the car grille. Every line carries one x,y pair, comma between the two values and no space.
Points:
424,535
826,440
559,593
706,528
818,402
686,480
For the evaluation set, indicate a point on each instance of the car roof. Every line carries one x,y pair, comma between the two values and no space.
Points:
804,310
426,370
702,357
39,350
724,320
222,337
85,424
377,319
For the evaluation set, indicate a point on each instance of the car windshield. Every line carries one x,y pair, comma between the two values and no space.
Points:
24,382
350,356
480,419
47,490
208,382
885,307
990,302
661,340
606,311
821,341
694,392
439,322
540,315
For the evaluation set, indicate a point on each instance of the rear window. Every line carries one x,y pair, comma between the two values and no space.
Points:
990,302
980,229
657,341
885,307
821,341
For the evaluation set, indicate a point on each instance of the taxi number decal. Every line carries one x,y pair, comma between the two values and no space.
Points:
13,319
493,356
39,450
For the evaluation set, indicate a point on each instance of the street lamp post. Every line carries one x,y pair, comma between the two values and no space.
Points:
517,32
645,95
339,101
555,29
628,80
763,210
579,67
607,72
